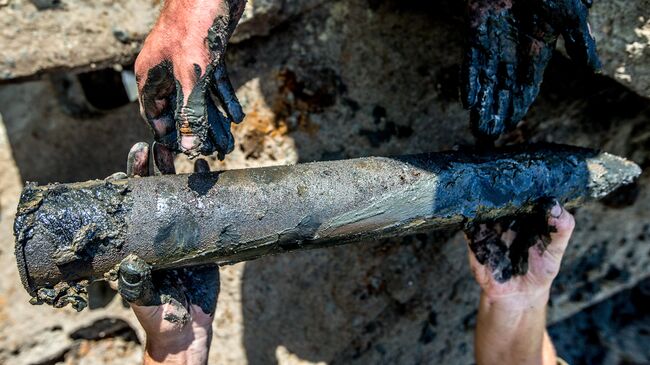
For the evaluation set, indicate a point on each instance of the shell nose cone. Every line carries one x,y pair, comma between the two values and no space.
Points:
608,172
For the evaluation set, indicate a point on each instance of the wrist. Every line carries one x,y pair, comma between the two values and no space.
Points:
183,350
516,302
187,345
187,16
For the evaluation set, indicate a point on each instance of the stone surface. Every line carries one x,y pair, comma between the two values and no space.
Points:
622,30
44,36
322,87
613,332
71,34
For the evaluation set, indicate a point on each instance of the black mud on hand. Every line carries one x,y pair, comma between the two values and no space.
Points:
157,103
502,245
199,115
490,65
509,46
182,96
571,19
179,288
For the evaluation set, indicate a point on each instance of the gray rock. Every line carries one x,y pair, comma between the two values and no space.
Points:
46,35
622,30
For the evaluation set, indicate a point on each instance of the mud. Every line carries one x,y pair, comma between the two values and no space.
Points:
225,217
510,258
99,222
181,288
510,44
376,298
159,81
194,112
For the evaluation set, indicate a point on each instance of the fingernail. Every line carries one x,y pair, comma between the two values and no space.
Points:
189,142
556,211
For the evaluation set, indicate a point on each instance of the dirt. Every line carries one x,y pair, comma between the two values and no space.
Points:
82,35
391,88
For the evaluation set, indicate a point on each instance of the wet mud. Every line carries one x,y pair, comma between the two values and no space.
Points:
509,46
507,258
181,288
79,223
79,232
195,112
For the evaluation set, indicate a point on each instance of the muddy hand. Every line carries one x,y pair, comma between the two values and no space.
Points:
522,255
170,302
510,44
182,76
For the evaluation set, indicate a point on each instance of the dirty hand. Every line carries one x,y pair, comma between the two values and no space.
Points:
175,306
510,45
517,260
181,75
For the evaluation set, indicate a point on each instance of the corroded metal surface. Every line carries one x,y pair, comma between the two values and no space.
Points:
69,234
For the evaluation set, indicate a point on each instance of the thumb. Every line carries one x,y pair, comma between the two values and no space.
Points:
581,45
560,224
134,281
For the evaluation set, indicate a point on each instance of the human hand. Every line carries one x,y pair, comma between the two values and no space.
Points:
516,261
181,72
175,306
510,45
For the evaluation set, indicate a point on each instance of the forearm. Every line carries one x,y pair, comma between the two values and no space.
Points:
513,331
196,9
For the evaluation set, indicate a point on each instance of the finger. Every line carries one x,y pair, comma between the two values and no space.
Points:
193,128
155,86
201,166
474,58
503,108
485,242
538,54
204,283
220,133
581,45
134,281
561,224
578,39
482,116
470,77
137,163
479,236
163,159
479,270
506,76
226,94
473,261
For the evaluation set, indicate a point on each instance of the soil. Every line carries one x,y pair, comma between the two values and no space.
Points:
320,87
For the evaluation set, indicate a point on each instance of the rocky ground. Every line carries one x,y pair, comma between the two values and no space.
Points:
328,80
